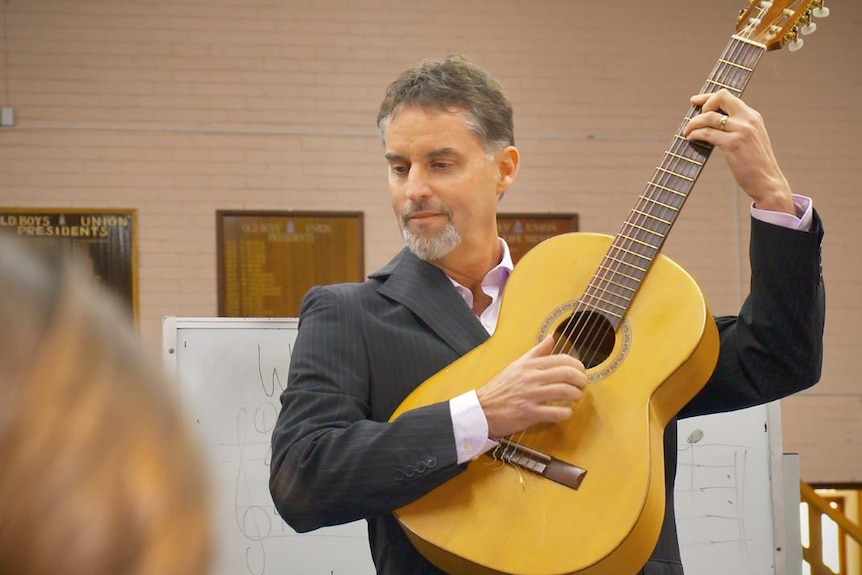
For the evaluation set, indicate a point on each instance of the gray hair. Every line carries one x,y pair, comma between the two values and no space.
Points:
453,84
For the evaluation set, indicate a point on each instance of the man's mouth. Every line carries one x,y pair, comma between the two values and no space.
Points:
423,215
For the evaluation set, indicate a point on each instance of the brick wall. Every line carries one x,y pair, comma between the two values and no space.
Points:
177,108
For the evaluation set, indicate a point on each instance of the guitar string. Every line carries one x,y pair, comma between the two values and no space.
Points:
578,329
637,229
728,71
668,184
723,74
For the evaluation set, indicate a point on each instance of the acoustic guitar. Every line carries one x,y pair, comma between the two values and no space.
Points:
587,496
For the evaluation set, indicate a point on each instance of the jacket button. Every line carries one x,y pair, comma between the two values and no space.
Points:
398,475
409,471
431,462
421,467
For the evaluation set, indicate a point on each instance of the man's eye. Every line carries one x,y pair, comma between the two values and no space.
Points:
399,170
440,165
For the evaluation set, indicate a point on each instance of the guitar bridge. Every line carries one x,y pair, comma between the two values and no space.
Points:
540,463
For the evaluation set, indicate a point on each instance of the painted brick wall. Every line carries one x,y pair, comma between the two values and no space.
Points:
177,108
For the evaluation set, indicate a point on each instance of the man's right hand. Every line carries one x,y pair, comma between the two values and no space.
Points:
538,387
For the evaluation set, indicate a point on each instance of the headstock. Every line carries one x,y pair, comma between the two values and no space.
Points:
776,23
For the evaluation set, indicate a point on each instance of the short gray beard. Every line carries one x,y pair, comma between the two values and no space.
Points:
432,248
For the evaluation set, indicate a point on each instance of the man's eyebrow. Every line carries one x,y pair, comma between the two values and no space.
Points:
433,154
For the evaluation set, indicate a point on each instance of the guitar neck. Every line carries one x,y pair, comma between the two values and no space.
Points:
642,236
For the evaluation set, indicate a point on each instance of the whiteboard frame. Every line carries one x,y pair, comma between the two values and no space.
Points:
172,324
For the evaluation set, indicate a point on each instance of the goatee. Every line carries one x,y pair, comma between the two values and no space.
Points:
429,247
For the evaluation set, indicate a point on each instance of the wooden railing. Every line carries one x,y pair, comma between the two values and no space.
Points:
817,508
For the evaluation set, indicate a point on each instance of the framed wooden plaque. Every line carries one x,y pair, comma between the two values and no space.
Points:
523,231
105,240
268,260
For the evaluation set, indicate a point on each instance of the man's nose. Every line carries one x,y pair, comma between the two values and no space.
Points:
417,184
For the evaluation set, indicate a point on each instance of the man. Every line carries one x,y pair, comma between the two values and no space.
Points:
362,348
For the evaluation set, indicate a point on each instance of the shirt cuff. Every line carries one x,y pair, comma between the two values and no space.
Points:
801,221
470,427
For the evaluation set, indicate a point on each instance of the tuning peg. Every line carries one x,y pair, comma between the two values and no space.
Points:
795,44
820,10
807,27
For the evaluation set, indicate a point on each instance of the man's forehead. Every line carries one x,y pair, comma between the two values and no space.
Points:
430,132
406,114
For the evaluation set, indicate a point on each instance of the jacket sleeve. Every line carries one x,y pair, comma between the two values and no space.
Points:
774,347
331,462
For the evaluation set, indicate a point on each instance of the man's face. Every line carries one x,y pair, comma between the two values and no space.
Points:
443,185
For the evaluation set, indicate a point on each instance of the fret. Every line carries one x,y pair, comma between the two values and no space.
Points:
674,174
684,159
680,169
725,86
736,65
667,189
652,217
641,256
637,240
611,312
625,263
662,204
623,286
643,229
744,40
619,273
615,305
615,299
609,290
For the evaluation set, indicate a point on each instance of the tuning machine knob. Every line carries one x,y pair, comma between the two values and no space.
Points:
820,10
794,42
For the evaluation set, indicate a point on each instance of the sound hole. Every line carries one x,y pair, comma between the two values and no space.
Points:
586,335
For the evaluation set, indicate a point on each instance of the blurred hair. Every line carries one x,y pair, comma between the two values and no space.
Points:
450,85
101,475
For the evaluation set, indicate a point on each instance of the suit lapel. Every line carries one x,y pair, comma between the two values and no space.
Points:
428,293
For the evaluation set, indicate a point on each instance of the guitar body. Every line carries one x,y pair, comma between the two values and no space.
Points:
496,518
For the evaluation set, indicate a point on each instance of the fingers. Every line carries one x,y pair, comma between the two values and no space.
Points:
729,123
539,387
558,394
569,373
722,101
719,113
541,349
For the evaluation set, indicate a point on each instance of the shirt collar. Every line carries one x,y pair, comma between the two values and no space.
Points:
495,279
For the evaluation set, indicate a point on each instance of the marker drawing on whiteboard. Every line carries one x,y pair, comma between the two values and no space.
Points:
251,520
275,384
716,489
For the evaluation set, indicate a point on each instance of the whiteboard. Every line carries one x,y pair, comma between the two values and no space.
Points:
729,497
231,372
729,517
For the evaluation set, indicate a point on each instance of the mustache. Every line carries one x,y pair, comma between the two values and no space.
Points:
414,207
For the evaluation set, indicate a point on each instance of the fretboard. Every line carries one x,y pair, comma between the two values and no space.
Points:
642,236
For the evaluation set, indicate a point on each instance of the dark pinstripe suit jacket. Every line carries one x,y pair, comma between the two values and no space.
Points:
362,348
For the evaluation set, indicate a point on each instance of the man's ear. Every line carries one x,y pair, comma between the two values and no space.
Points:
508,161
